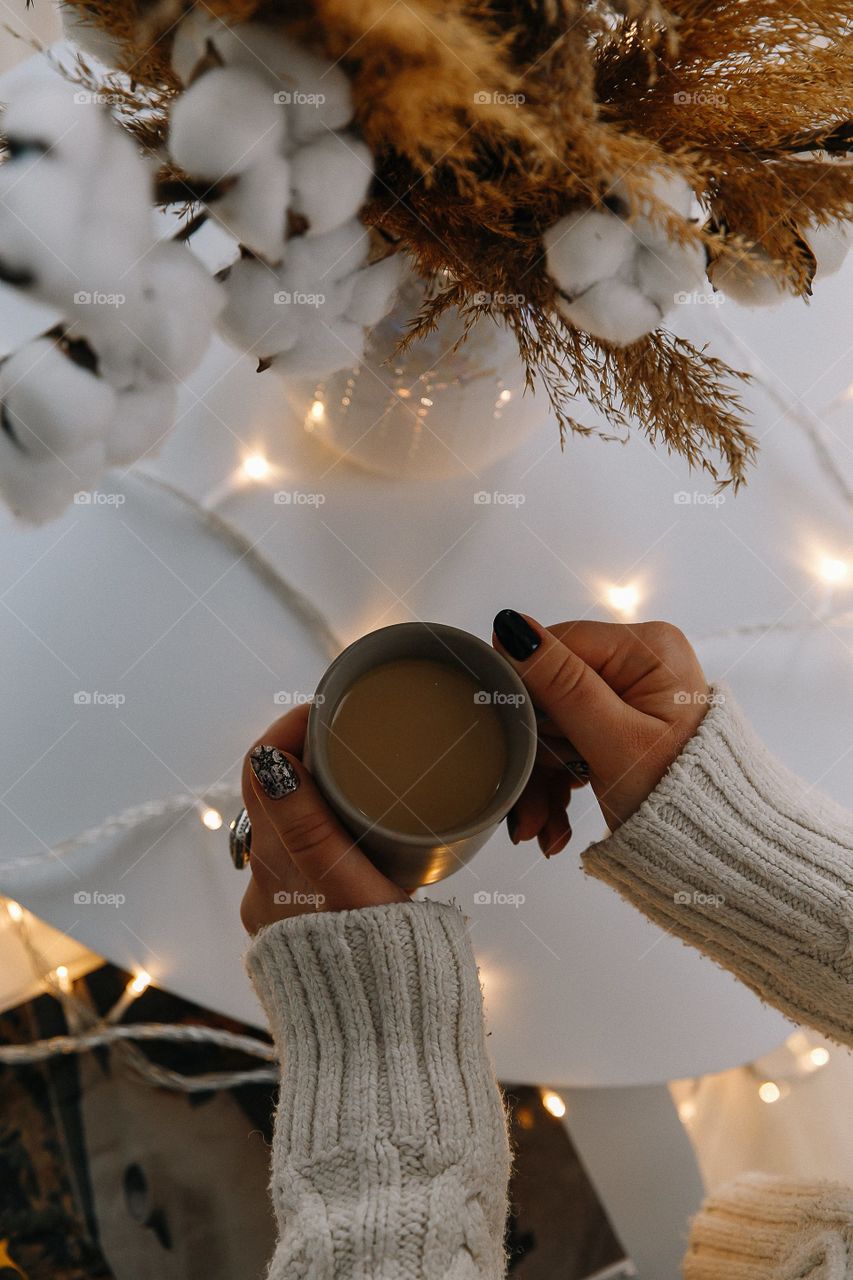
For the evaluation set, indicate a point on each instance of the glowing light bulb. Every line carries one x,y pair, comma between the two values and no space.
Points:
16,911
212,819
624,599
140,983
769,1091
317,412
553,1103
832,570
505,396
256,466
62,978
798,1042
819,1056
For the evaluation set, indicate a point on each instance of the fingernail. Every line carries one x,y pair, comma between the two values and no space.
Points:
273,771
517,636
579,768
559,844
512,824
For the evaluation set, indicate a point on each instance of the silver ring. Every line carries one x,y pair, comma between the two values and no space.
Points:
240,840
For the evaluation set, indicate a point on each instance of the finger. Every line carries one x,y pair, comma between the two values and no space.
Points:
289,814
288,732
572,695
557,832
530,811
556,755
653,655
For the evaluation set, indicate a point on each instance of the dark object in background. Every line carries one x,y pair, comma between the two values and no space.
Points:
106,1178
558,1229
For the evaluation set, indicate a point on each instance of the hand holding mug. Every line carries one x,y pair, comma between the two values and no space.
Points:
302,859
625,698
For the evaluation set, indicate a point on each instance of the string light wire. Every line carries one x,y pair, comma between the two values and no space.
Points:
99,1032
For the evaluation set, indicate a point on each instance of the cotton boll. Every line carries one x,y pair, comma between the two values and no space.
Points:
67,230
190,40
314,94
613,311
113,339
669,188
310,296
254,210
748,287
321,260
49,116
672,189
666,270
143,418
223,123
255,318
373,290
586,246
121,189
330,179
322,351
38,490
41,213
50,404
87,36
830,245
109,280
182,302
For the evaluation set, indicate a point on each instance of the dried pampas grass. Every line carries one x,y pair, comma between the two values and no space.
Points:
489,121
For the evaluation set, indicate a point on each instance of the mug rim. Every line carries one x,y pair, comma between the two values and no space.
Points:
350,813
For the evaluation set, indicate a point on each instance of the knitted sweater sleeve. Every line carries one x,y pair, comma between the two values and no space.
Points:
738,857
390,1155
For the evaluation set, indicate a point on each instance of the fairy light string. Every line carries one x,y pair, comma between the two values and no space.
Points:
89,1031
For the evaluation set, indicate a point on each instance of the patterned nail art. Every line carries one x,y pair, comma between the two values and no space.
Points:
273,771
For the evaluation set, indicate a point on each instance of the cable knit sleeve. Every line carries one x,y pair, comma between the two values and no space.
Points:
390,1156
738,857
765,1228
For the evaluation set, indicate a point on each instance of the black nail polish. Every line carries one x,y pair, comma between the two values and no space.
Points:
579,768
512,824
517,636
273,771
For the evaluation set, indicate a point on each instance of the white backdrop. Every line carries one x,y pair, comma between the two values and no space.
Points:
141,600
181,647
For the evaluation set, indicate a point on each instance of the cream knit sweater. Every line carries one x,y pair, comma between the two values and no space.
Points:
763,1228
390,1158
740,858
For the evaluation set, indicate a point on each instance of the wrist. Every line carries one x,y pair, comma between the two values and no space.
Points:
378,1003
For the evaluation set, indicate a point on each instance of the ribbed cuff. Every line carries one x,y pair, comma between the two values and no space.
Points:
377,1014
765,1228
735,855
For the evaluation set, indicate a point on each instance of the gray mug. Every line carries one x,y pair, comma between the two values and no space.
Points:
413,860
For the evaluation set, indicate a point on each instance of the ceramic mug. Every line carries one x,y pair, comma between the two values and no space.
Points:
414,860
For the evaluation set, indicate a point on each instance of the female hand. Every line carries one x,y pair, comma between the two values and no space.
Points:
625,698
302,859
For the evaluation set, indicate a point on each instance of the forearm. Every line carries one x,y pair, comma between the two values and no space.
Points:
390,1154
738,857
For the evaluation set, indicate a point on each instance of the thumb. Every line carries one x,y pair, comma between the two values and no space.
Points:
316,842
582,705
